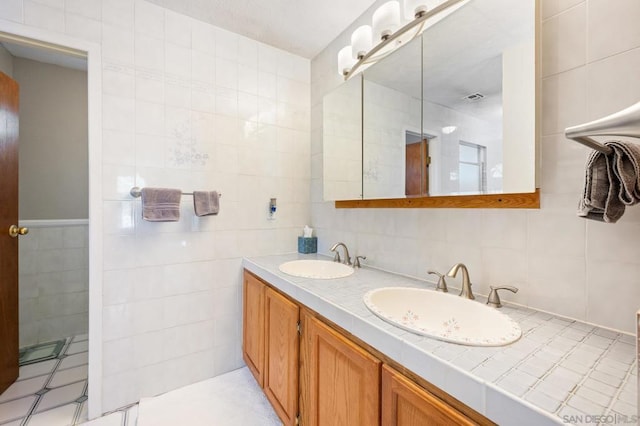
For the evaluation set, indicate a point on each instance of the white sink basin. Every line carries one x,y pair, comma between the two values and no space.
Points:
319,269
443,316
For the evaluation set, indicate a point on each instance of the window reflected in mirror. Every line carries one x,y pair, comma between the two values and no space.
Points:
452,112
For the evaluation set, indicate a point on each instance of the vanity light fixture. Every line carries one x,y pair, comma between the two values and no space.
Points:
414,8
389,31
361,41
345,60
386,20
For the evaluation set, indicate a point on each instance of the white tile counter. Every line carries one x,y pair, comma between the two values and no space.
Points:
559,372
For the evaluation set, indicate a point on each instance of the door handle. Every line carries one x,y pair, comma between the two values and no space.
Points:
15,231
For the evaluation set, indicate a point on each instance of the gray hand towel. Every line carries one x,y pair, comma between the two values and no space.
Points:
627,170
611,182
161,204
206,203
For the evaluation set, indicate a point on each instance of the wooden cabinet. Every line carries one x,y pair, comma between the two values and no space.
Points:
323,377
406,404
282,355
270,345
340,382
253,326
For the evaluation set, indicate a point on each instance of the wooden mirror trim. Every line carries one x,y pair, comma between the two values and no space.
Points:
523,200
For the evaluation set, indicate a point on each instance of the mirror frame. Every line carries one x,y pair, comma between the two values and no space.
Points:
524,200
520,200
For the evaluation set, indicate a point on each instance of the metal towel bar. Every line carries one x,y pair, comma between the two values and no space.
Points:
622,123
136,192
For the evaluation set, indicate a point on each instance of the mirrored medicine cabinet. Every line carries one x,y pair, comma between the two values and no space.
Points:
446,120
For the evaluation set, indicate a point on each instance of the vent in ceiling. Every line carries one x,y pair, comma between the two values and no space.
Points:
473,97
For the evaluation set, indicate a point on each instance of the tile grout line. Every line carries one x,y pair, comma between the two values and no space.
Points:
61,356
616,396
540,380
76,416
587,375
35,404
531,355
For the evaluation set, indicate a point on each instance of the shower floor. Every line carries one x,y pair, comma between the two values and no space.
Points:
49,392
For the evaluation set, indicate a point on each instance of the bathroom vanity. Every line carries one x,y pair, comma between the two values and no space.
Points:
320,355
313,372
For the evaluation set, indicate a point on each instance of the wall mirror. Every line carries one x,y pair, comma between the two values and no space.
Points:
342,141
450,114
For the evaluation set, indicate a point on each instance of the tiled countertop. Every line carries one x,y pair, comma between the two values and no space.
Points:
559,372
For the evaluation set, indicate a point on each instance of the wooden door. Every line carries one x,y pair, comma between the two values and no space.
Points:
282,355
8,245
253,325
417,169
406,404
340,382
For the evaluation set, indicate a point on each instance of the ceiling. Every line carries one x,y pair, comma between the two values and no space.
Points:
462,55
49,55
302,27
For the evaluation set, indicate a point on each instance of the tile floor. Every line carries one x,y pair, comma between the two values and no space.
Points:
228,400
50,393
54,393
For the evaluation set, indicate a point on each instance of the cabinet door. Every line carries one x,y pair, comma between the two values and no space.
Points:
253,326
340,382
406,404
282,360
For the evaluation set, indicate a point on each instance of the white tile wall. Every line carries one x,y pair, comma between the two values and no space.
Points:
53,283
385,109
560,262
190,106
256,144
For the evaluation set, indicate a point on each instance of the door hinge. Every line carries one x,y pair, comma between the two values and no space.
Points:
299,327
298,419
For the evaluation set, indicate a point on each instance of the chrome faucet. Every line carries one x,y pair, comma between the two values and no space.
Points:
336,258
466,283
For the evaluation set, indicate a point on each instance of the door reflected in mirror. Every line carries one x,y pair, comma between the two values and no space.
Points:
416,165
452,112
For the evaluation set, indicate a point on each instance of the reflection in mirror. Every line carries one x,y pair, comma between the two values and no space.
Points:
342,141
451,112
479,99
393,152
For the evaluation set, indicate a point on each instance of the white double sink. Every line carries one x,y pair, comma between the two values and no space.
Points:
426,312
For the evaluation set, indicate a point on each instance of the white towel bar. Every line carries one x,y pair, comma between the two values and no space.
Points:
136,192
622,123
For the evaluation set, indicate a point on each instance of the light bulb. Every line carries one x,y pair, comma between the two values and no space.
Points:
386,19
345,60
361,41
414,8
